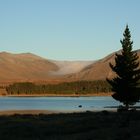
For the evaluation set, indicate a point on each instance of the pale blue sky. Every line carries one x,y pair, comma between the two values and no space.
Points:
67,29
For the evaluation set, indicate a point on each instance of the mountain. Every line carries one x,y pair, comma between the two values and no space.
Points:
100,70
30,67
24,67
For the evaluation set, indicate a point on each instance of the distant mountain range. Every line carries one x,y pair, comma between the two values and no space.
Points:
100,70
30,67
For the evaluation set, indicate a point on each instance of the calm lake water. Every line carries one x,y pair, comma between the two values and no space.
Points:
57,103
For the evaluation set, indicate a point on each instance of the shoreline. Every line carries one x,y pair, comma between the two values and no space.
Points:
46,112
25,112
57,95
37,112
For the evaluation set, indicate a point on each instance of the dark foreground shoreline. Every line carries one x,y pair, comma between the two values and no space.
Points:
102,125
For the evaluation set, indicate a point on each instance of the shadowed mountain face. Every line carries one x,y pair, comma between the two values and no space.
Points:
30,67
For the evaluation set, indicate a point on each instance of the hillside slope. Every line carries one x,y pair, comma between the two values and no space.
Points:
100,70
24,67
30,67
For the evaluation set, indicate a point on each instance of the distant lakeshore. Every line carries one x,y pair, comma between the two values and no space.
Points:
66,89
57,95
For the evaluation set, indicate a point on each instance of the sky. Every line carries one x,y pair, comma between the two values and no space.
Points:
67,29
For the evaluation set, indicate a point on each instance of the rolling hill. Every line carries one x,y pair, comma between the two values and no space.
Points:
30,67
24,67
100,70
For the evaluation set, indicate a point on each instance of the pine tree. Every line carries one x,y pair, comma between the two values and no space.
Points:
125,84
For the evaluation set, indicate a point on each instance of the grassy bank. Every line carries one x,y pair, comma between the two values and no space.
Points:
77,126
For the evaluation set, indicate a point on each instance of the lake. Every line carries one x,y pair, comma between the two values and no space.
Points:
57,103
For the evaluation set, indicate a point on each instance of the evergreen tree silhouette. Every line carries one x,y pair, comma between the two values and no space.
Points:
125,84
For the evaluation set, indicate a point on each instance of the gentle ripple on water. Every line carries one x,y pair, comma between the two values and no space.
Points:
56,103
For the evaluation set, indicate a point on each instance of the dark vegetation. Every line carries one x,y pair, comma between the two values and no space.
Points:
79,87
125,84
77,126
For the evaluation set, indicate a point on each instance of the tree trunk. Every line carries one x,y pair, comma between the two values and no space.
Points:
127,106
